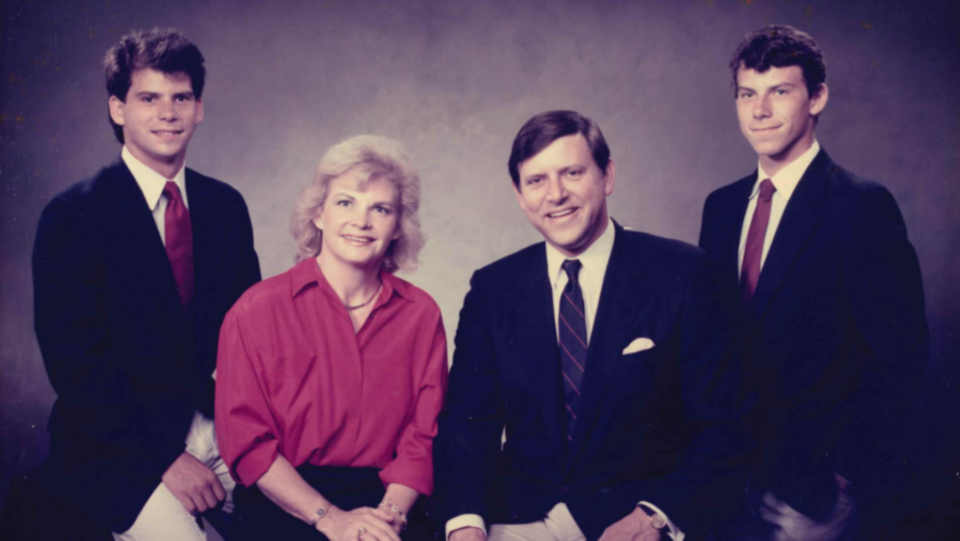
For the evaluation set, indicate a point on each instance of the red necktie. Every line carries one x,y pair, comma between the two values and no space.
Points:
178,237
753,251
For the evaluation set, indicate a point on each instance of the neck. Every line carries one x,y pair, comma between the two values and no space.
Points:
354,285
774,164
167,169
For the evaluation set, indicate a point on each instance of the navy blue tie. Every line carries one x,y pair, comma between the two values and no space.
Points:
573,342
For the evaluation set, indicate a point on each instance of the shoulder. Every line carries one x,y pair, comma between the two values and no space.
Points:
219,190
81,196
509,270
658,255
731,191
858,196
422,303
264,296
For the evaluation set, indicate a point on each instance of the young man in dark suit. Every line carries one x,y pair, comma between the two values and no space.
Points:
133,271
833,302
602,352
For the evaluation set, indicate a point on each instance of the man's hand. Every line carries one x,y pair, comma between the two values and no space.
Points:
195,485
634,527
468,534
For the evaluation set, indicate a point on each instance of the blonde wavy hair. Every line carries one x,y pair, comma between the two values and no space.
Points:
375,157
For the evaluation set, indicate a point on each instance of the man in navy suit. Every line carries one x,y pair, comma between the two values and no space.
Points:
133,271
603,355
833,302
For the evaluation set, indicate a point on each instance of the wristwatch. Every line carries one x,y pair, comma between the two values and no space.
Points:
656,519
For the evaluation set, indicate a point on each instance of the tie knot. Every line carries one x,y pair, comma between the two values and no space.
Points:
572,268
766,189
172,190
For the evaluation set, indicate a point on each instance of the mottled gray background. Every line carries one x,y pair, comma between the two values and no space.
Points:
454,81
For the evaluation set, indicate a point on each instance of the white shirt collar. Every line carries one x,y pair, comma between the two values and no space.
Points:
594,259
786,180
151,182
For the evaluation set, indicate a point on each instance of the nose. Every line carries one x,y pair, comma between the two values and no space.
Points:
362,219
556,191
761,107
167,111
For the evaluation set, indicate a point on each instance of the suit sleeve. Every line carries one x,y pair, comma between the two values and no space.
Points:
472,423
711,470
70,311
886,296
413,466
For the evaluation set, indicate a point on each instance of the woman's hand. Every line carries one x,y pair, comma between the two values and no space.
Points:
362,523
390,518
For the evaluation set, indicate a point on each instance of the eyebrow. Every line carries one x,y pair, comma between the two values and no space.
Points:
352,198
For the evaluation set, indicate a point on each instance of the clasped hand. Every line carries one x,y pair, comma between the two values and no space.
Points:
194,484
376,525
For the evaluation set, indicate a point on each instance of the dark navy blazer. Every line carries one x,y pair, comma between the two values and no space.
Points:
656,425
128,365
836,331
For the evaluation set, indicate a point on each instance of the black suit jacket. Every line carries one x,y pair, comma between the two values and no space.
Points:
653,425
836,329
128,366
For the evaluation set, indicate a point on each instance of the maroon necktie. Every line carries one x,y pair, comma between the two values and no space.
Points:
753,251
178,237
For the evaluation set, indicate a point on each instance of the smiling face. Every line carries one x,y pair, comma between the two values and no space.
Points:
358,224
777,115
158,118
564,192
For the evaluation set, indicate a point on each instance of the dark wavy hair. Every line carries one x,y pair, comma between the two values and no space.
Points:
545,128
779,45
162,49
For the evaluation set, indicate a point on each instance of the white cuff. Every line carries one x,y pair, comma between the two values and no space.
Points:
674,532
464,521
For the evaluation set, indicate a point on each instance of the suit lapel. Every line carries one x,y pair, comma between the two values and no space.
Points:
133,236
620,298
799,220
731,227
208,236
537,343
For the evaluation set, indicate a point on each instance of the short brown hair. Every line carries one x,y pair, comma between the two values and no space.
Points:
163,49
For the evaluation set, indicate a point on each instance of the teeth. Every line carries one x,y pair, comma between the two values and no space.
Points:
561,214
357,239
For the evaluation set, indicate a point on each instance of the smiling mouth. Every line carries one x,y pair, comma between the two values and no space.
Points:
765,130
167,133
561,213
357,240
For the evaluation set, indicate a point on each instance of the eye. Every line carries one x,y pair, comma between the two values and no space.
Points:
575,173
344,203
782,92
182,99
147,99
382,210
532,181
744,95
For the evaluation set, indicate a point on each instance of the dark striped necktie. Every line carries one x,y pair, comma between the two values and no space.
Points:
573,342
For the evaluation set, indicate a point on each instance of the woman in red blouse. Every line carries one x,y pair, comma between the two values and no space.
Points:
330,376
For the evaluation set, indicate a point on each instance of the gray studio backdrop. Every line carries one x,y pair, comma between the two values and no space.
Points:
454,81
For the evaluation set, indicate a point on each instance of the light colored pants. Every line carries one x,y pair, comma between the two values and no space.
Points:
163,517
557,526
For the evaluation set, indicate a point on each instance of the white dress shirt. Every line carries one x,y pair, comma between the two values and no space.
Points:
151,184
785,181
594,263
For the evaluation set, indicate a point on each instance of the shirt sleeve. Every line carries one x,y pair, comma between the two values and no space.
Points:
464,521
413,465
246,430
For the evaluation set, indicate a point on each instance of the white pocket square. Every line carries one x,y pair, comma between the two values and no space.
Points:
640,344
